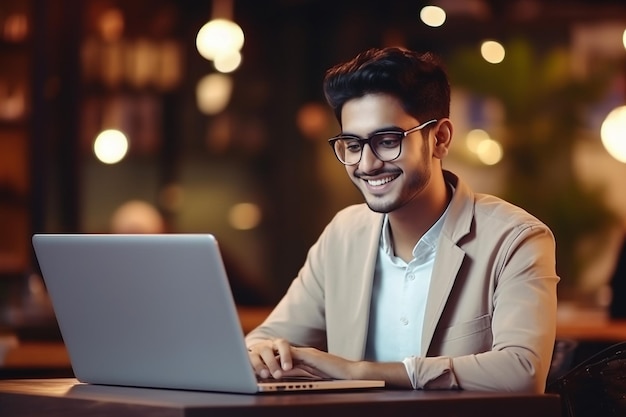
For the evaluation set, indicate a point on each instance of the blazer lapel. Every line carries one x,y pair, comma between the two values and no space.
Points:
369,246
447,264
449,256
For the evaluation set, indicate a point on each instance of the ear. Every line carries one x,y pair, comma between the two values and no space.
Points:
443,137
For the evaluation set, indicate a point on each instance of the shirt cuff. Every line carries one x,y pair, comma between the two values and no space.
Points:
430,373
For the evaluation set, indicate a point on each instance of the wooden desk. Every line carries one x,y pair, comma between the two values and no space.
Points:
66,397
601,331
592,325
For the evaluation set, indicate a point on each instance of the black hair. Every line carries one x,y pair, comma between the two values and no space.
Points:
418,80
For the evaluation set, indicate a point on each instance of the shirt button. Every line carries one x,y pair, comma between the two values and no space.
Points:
410,277
404,321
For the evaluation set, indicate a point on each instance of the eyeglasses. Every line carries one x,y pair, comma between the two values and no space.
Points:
386,145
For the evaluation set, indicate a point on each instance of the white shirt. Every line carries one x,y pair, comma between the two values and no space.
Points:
399,297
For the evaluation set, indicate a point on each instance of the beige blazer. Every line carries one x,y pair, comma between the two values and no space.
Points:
491,311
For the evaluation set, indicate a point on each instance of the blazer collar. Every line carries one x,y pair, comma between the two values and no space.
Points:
461,210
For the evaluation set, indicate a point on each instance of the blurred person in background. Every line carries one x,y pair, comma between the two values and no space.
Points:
137,217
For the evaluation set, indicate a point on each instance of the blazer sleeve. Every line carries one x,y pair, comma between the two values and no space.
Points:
523,324
327,304
524,319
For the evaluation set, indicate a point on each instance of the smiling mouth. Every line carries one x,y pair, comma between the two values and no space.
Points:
381,181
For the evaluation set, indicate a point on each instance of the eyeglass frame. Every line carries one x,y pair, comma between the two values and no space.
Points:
368,140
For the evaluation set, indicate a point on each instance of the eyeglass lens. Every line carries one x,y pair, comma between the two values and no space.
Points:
385,145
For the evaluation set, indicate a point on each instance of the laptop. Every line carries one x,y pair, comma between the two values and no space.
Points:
153,311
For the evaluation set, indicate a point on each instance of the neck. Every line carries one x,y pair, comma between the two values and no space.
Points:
409,223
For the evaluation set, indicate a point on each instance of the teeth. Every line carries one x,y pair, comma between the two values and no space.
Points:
379,182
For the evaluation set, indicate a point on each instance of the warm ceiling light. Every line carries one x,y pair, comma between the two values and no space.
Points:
218,37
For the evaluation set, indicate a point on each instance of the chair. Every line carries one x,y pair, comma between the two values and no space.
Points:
562,358
596,387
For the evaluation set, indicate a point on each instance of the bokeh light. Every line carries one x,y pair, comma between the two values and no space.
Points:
474,138
312,120
613,133
433,16
489,152
244,216
213,93
227,62
15,27
492,52
219,37
111,25
110,146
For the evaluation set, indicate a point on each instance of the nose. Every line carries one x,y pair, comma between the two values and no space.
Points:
369,161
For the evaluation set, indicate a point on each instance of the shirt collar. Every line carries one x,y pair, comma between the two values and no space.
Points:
430,238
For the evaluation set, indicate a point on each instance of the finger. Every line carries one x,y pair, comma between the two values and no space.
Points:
268,356
260,368
284,353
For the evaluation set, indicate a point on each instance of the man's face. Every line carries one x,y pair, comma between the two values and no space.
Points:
387,186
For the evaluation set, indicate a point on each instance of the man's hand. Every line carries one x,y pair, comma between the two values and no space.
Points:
271,357
279,359
324,364
327,365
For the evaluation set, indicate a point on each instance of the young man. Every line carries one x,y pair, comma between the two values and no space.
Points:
427,285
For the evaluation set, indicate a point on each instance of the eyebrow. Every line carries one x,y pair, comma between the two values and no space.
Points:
391,128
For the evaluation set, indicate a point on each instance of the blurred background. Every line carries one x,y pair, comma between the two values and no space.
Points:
195,116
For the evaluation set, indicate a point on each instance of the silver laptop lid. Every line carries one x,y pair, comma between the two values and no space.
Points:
146,310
